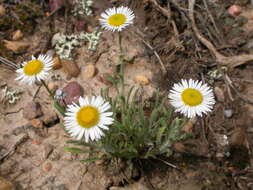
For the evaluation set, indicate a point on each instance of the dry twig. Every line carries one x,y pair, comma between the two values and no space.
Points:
231,61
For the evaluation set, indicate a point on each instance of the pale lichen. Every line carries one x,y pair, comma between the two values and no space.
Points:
10,96
93,39
83,7
64,44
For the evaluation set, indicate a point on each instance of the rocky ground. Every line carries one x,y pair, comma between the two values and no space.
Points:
159,49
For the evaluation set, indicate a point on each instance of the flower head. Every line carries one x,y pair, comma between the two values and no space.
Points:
191,98
35,70
85,121
116,19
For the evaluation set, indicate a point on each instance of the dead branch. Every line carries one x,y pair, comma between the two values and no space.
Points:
231,61
164,11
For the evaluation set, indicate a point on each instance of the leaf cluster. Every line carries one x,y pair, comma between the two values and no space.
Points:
140,130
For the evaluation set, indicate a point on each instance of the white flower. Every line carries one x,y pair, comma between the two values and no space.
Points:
116,19
35,70
85,121
192,98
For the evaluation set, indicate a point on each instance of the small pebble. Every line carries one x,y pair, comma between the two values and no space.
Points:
140,79
228,113
56,63
70,68
235,10
72,91
89,71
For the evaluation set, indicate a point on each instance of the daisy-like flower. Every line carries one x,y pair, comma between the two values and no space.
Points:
192,98
116,19
35,70
85,121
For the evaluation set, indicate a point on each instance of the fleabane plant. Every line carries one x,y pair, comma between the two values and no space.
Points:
138,131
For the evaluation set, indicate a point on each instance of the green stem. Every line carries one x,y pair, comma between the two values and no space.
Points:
121,63
49,91
57,105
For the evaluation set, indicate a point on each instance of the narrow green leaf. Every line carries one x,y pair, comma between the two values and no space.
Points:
74,150
92,159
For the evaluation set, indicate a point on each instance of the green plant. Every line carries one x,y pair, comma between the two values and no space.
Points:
140,130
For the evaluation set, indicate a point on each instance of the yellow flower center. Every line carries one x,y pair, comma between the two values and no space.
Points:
117,20
88,116
192,97
33,67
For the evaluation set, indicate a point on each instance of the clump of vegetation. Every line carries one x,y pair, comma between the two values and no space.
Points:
140,130
83,7
65,44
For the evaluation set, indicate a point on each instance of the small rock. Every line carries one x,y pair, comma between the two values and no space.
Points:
235,10
89,71
52,86
2,10
228,113
32,110
17,35
6,185
70,67
16,46
72,93
47,167
219,94
36,123
57,63
47,150
61,187
140,79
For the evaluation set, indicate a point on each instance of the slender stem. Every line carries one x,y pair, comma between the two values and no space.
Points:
49,91
57,105
121,63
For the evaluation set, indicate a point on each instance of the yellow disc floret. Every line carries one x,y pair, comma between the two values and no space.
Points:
88,116
117,20
33,67
192,97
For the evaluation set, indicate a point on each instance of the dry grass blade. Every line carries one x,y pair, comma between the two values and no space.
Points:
8,63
